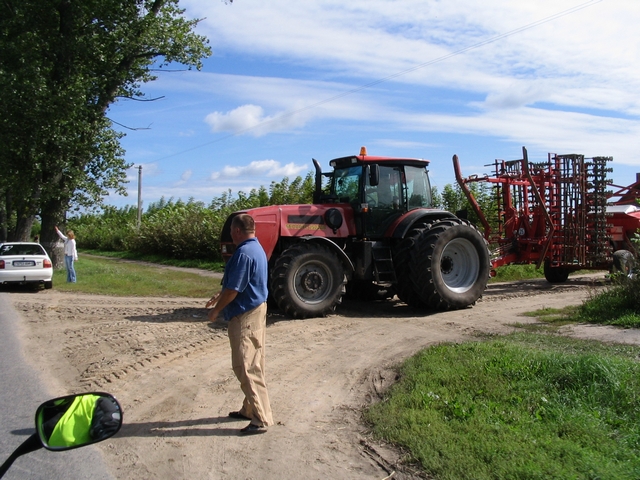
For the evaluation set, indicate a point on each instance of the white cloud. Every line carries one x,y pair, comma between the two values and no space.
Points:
251,119
259,168
184,178
371,40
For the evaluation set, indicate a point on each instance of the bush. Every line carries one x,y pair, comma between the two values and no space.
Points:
111,231
182,231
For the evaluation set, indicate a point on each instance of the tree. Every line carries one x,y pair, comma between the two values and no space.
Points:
454,200
64,62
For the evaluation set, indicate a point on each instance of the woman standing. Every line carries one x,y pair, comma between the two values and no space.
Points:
70,253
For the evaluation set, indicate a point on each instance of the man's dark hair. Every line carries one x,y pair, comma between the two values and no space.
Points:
244,222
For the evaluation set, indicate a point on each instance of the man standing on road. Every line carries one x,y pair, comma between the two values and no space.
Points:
243,303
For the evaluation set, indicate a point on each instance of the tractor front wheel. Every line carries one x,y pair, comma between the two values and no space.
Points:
307,280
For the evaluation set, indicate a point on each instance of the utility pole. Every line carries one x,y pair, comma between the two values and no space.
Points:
139,196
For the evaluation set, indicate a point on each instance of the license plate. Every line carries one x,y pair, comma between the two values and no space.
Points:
24,263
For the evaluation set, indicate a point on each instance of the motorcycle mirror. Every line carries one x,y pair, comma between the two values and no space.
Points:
71,422
77,420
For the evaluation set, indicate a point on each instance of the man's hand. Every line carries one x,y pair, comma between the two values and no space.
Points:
212,301
219,301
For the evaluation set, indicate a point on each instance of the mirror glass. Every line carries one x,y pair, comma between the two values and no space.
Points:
77,420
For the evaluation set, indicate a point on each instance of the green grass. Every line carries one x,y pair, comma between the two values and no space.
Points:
524,406
618,305
160,260
530,405
556,317
108,277
510,273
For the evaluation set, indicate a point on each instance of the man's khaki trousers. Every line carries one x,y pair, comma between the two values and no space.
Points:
247,334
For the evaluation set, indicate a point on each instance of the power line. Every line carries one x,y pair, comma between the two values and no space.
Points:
396,75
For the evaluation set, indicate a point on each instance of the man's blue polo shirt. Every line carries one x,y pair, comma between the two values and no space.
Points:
247,273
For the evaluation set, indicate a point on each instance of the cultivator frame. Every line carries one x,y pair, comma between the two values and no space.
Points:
552,212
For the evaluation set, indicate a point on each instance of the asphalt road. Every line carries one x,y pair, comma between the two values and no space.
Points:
21,391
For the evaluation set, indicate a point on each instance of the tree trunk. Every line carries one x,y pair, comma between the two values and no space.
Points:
22,233
3,223
5,215
52,216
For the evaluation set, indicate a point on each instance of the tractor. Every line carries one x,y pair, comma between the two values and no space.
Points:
559,214
371,233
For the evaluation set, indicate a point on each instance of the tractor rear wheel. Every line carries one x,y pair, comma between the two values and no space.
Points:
307,280
450,265
555,274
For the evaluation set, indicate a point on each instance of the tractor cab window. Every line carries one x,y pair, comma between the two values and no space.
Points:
418,187
387,193
346,184
384,200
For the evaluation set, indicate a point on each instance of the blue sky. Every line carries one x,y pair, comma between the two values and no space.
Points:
290,81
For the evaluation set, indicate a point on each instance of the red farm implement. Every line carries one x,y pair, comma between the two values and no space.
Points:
558,213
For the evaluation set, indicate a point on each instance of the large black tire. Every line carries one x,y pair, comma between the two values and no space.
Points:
450,265
623,262
402,264
307,280
555,274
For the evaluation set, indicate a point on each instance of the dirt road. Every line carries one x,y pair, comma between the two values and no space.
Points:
170,369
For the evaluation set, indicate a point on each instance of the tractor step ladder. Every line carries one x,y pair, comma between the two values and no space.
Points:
383,264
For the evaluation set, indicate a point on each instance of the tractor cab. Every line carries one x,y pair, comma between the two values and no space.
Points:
380,189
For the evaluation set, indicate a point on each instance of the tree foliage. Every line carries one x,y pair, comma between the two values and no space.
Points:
454,200
178,229
64,62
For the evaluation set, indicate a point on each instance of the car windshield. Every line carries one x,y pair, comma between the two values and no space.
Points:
20,249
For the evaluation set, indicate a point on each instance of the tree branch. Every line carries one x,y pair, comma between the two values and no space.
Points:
131,128
140,99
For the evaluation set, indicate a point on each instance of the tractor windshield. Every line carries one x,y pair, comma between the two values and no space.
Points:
346,184
418,187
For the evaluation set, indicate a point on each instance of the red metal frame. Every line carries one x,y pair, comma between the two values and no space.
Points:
554,211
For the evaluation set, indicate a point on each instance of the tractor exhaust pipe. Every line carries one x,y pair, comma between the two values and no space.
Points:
318,190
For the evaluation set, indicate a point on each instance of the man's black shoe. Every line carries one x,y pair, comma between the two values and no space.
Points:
252,429
238,415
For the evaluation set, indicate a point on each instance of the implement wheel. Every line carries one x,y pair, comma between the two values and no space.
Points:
555,274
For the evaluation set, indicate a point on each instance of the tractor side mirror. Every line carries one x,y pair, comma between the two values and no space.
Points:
374,175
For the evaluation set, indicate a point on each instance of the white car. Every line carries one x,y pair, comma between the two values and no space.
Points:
25,263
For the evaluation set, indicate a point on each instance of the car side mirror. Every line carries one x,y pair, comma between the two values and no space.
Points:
78,420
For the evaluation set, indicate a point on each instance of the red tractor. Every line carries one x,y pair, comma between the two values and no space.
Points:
559,214
371,229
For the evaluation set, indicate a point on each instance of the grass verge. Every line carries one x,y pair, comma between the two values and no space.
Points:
160,260
511,273
618,305
526,406
107,277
